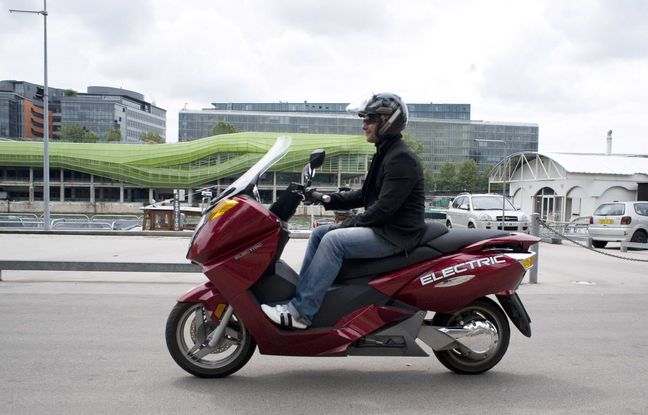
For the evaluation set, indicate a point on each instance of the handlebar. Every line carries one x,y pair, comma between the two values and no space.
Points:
322,198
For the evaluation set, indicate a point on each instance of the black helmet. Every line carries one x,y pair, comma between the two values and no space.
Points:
389,108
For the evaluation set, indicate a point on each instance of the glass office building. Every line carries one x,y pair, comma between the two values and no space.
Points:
98,110
11,115
105,108
439,111
444,130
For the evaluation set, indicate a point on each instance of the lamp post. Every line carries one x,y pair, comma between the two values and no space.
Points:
46,194
483,140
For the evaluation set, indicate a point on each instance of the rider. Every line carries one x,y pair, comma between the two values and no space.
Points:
393,219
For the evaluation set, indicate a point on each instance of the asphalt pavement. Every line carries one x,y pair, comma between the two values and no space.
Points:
78,343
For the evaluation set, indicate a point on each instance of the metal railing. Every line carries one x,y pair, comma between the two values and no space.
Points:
555,232
72,221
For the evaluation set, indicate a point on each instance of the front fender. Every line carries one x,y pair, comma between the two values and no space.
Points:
206,294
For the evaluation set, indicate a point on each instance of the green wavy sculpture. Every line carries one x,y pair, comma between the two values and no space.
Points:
188,164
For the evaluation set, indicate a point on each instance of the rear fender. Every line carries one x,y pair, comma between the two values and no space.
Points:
206,294
515,311
523,240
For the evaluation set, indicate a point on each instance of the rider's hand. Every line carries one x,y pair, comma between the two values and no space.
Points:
312,196
308,196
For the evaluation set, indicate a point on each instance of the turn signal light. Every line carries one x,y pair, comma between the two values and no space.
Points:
218,311
527,260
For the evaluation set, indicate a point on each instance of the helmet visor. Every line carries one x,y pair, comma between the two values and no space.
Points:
359,106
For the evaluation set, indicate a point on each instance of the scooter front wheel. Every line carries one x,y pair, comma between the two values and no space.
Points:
488,350
187,336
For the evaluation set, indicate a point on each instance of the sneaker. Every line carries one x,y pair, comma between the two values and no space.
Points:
280,315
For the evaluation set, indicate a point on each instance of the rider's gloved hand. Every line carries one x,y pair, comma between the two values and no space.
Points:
308,196
312,196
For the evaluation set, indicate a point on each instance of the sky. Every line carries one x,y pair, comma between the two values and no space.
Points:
576,68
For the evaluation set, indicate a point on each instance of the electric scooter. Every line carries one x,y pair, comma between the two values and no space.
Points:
437,298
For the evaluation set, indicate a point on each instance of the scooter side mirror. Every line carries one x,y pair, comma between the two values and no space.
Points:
315,161
317,158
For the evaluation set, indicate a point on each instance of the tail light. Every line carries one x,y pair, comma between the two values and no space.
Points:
626,220
591,222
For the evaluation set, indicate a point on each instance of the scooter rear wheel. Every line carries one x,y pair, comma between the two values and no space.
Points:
464,360
187,331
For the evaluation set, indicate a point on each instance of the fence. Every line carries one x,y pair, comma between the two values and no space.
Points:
71,221
553,232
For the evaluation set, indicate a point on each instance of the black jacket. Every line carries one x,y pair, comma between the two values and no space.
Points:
393,196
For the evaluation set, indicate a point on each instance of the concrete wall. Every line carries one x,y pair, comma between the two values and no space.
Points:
586,191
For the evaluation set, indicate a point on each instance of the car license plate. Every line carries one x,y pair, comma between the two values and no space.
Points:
606,221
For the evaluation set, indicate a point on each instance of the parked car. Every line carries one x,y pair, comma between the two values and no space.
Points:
619,222
484,211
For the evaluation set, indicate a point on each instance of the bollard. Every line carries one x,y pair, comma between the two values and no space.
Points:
535,231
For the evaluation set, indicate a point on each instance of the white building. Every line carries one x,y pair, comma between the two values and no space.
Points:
562,186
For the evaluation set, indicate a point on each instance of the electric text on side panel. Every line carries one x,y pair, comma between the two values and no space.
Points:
248,251
461,268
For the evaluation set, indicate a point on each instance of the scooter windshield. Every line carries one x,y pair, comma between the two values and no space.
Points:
249,178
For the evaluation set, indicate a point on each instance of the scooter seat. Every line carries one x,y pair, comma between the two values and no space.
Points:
437,241
367,267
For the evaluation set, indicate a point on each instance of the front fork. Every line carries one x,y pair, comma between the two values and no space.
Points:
214,303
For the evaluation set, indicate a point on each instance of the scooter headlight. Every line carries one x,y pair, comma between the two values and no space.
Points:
218,210
222,207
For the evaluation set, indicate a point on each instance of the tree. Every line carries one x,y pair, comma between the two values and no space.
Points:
483,179
419,150
76,133
112,135
70,93
151,138
468,177
446,180
415,145
223,127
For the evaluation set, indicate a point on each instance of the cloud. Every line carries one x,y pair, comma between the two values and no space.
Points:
110,24
576,68
596,31
333,18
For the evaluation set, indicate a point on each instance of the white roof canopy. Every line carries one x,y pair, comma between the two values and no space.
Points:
557,165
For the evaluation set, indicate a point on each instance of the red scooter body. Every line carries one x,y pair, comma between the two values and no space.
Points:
236,248
374,308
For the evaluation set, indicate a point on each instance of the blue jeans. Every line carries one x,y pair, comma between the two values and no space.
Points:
323,261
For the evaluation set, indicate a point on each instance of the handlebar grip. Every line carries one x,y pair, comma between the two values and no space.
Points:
320,197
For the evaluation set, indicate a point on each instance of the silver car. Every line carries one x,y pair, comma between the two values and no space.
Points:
484,211
619,222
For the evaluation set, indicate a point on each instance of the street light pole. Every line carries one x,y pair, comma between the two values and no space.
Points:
46,185
483,140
